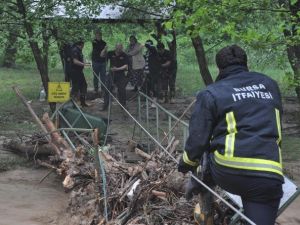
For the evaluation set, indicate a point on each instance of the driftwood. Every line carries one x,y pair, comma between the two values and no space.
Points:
64,148
29,149
142,154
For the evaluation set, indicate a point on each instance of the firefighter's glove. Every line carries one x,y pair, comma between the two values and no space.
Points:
192,188
184,167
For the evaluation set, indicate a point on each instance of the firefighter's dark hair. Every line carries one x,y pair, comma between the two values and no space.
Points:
231,55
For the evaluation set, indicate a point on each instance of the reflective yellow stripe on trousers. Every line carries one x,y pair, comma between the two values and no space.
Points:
230,137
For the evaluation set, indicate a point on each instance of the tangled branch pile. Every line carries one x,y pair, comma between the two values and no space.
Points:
148,192
157,198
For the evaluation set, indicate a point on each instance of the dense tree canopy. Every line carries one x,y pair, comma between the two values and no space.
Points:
265,25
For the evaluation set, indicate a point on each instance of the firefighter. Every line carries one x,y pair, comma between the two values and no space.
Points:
237,120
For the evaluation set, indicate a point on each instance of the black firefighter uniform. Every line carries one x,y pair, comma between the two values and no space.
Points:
238,120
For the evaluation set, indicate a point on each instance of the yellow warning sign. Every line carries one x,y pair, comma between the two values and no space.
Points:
58,91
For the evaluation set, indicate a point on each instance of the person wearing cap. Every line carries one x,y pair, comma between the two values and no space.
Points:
137,62
79,84
151,70
237,121
165,62
99,60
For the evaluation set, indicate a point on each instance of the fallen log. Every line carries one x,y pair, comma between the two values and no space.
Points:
36,118
61,143
142,154
29,149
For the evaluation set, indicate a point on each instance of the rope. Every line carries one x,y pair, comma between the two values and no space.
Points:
175,160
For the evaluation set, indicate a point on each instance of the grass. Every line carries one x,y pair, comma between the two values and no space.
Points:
29,82
290,148
12,162
11,108
189,80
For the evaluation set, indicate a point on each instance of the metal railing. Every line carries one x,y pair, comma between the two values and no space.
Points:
162,124
58,114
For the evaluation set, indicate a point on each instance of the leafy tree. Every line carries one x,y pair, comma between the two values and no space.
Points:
36,22
261,24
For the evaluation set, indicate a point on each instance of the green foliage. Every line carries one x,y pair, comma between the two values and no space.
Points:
29,82
262,25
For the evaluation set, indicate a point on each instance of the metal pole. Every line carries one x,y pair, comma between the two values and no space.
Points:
139,108
166,111
68,140
147,122
76,120
157,123
78,136
169,128
59,108
87,121
184,136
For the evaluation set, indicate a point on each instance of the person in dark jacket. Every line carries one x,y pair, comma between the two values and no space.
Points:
79,84
165,62
99,60
118,64
152,70
66,52
237,120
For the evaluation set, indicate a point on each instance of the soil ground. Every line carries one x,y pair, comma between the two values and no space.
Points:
25,202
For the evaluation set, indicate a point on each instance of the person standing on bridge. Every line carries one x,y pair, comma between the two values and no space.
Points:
117,75
237,120
137,62
99,60
152,69
165,62
77,77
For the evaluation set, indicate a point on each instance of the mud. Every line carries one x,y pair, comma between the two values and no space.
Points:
25,202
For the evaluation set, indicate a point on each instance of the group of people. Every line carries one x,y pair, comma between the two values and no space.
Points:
147,67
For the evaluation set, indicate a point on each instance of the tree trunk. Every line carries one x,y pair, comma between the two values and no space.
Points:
40,59
201,58
295,64
293,49
173,49
173,45
10,51
29,149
